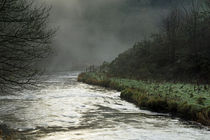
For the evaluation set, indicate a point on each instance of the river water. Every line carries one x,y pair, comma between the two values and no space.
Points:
64,109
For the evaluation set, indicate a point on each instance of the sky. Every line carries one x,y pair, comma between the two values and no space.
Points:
93,31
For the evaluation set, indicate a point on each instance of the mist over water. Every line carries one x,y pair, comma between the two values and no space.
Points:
64,109
93,31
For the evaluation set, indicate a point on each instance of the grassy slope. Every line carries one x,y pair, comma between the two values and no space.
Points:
185,100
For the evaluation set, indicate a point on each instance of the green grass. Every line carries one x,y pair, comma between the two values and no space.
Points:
186,100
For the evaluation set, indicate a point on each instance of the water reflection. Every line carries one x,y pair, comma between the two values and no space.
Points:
66,110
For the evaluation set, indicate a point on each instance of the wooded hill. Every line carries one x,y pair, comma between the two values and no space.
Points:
179,52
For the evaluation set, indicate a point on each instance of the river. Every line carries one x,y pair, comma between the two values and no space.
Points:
64,109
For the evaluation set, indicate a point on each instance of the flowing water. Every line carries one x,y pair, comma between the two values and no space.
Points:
64,109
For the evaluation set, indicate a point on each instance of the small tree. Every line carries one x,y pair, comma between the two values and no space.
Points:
24,42
172,25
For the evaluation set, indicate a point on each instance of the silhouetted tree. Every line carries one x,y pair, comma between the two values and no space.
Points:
24,42
172,25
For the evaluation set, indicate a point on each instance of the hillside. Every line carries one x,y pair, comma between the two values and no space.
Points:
179,52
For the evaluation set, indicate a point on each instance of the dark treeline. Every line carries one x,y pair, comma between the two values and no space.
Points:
179,52
160,3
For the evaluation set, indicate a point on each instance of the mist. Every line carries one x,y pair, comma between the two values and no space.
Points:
93,31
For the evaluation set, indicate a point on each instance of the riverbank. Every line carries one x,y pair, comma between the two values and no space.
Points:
6,133
184,100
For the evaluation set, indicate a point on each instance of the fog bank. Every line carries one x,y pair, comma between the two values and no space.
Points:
93,31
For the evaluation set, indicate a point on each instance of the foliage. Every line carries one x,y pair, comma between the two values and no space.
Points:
180,52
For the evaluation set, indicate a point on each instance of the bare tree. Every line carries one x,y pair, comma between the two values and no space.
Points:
171,27
24,42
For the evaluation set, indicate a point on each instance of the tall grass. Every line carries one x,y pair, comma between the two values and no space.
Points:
186,100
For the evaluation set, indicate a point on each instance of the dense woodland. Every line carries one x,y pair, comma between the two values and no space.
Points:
179,52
